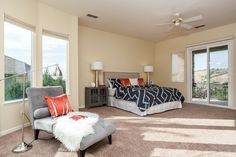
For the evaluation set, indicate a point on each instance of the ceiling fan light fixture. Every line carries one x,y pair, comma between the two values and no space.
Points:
177,22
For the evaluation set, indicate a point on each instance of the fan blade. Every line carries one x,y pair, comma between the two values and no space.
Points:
186,26
170,29
192,19
163,24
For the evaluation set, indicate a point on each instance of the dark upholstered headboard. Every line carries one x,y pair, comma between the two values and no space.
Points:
108,75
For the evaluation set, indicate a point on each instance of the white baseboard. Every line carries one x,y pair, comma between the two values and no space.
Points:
8,131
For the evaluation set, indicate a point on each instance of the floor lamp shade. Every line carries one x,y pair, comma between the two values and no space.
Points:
57,72
148,69
97,66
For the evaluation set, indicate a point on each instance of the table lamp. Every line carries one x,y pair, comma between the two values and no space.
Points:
96,66
148,69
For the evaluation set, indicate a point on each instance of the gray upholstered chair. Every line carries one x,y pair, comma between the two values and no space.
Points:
38,110
41,120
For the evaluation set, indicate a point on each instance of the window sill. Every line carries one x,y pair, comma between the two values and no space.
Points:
15,101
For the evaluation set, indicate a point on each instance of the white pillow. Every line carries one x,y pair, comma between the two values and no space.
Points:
111,91
109,83
133,81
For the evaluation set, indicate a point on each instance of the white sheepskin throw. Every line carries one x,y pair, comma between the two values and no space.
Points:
70,132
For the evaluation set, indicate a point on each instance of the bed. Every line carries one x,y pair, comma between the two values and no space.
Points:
132,98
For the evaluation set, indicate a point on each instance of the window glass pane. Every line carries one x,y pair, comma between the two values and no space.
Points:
219,75
199,75
54,52
17,58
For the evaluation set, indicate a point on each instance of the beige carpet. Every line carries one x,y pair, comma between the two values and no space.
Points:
194,131
63,152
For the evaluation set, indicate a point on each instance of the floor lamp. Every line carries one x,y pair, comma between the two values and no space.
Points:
148,69
23,146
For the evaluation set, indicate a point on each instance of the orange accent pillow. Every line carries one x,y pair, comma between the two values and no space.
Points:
125,82
58,105
141,82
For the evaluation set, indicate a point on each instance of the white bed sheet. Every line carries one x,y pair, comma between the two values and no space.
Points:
132,106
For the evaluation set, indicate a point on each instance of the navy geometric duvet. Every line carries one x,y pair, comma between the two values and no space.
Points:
146,97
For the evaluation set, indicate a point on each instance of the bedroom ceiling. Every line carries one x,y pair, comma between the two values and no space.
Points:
139,18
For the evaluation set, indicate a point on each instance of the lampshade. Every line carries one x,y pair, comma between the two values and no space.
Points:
57,72
96,66
148,68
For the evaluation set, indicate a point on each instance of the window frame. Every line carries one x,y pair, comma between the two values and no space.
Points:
61,36
32,29
207,45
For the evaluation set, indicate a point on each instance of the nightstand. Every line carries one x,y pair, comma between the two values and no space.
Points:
96,96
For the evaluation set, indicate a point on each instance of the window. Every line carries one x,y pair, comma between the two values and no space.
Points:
17,59
54,52
210,73
177,67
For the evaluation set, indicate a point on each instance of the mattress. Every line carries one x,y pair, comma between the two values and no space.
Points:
132,106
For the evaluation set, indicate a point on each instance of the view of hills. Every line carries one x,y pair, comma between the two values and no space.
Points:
218,84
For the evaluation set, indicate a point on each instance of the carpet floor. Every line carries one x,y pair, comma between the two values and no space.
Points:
193,131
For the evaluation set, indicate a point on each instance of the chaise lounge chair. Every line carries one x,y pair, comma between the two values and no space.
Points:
41,120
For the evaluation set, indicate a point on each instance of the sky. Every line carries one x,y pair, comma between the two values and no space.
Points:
17,44
218,60
55,52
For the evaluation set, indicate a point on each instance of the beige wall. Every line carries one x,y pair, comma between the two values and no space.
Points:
42,17
118,53
164,50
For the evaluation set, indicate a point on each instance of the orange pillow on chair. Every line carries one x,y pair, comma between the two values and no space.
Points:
58,105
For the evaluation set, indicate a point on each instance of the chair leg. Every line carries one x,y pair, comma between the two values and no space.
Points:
36,134
110,139
81,153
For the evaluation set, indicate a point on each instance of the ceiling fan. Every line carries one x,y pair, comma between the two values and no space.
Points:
178,21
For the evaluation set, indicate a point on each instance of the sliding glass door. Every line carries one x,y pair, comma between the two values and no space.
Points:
219,75
210,74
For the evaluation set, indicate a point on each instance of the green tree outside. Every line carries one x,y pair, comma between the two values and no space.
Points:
49,80
14,87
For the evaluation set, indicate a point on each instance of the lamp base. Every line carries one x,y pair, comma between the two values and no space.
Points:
23,147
